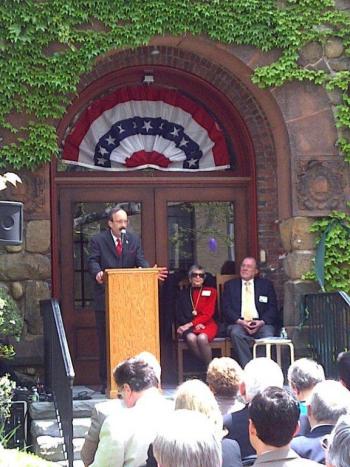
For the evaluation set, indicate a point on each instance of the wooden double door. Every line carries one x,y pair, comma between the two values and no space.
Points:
179,225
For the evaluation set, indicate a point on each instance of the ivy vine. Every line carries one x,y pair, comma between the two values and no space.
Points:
47,45
337,251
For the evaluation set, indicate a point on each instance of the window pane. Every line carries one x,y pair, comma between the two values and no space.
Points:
201,233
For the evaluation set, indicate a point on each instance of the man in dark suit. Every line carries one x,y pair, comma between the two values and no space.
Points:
273,420
250,309
328,401
110,249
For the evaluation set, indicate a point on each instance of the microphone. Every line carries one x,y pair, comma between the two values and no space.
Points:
123,235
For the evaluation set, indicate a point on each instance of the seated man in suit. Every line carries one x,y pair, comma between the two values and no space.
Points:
250,309
303,375
257,375
125,435
273,420
112,406
328,401
338,444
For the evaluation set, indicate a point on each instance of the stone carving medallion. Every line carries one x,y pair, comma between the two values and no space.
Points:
320,185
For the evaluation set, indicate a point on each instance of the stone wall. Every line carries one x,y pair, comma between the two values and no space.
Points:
25,270
320,179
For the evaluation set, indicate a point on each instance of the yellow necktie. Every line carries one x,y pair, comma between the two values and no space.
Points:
247,302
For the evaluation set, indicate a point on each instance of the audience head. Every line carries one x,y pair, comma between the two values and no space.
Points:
303,375
328,401
132,377
196,395
274,416
338,453
344,368
258,374
152,361
187,439
224,376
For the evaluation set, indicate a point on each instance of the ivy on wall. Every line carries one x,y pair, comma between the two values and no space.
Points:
47,45
337,251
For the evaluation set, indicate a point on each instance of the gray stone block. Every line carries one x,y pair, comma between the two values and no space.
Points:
49,427
294,292
51,448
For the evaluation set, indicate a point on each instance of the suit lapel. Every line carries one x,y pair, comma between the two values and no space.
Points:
110,242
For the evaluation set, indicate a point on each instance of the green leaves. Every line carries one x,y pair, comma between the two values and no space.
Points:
337,253
39,82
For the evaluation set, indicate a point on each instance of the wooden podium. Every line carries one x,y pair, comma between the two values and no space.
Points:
132,322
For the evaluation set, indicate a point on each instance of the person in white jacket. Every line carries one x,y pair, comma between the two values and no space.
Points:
126,435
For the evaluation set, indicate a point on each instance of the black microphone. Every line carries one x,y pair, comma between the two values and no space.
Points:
123,235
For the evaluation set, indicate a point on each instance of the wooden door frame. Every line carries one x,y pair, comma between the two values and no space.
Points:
154,198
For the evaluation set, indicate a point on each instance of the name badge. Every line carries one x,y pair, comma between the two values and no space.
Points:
206,293
263,299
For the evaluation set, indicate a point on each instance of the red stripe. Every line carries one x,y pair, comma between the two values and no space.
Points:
140,158
171,97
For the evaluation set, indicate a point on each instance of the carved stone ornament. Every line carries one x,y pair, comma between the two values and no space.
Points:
320,185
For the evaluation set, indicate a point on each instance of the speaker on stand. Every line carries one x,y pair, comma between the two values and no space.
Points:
11,223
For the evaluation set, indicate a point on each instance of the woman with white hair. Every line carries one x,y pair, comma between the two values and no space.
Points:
338,444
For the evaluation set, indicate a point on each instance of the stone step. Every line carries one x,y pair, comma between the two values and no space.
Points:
49,427
46,410
51,448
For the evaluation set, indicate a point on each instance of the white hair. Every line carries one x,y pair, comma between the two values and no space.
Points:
187,439
196,395
338,454
328,401
260,373
305,373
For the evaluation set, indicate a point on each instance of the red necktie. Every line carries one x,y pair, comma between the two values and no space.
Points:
119,247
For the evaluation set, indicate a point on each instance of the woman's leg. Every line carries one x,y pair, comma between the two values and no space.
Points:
204,348
191,340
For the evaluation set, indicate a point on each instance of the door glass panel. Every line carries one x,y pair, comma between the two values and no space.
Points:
88,220
201,233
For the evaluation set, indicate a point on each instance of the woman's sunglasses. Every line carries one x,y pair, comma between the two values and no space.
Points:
198,274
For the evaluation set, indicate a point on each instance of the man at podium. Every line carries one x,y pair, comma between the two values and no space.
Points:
114,248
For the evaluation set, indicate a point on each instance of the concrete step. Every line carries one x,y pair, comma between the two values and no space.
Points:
49,427
51,448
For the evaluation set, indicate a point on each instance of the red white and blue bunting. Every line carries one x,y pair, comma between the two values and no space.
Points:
147,127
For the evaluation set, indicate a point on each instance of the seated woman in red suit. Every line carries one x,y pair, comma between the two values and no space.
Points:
195,308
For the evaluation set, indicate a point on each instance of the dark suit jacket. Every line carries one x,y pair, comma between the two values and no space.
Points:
103,256
265,301
237,424
309,446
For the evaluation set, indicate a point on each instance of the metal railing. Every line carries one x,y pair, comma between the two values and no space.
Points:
328,320
59,372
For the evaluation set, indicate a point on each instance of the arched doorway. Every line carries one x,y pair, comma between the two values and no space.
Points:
173,212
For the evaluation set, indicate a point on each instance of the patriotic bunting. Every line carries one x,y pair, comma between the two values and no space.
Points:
147,127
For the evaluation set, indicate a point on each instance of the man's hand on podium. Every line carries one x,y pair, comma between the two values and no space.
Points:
162,273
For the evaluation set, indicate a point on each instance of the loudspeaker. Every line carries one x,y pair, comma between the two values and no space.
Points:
16,425
11,223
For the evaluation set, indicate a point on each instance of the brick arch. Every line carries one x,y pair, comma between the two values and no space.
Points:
265,141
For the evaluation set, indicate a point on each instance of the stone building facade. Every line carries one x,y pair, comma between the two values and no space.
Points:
300,174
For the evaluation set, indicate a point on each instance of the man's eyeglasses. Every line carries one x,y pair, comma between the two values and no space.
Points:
198,274
325,442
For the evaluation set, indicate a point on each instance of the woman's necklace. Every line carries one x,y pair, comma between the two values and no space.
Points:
194,306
